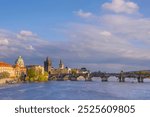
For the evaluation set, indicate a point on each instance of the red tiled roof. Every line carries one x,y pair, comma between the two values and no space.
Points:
3,64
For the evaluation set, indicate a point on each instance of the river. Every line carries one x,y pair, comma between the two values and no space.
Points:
78,90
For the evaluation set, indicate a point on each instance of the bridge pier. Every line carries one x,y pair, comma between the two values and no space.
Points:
60,77
121,77
52,77
73,79
140,79
104,79
88,77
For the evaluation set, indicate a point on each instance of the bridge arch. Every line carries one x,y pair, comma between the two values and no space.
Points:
81,77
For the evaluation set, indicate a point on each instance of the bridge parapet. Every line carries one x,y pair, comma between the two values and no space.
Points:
72,77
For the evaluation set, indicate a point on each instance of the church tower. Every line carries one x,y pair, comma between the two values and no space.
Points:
61,65
47,65
19,62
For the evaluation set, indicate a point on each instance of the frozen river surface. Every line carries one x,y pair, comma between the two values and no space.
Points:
78,90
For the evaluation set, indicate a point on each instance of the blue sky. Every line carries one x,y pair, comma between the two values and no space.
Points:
107,35
42,16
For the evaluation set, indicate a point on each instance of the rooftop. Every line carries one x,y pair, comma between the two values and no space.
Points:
3,64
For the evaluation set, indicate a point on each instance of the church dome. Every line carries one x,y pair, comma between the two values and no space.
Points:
20,61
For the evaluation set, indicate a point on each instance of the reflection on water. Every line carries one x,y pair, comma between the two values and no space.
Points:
78,90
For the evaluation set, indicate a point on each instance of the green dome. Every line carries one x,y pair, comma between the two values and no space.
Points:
20,61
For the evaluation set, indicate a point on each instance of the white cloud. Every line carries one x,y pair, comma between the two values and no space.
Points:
129,27
119,38
3,42
24,34
10,43
108,42
121,6
30,47
83,14
105,33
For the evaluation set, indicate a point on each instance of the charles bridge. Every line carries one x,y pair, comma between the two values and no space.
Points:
62,74
69,76
103,76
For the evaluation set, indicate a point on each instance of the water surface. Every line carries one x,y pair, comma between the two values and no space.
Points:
78,90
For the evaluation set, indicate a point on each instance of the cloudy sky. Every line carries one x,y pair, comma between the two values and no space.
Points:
106,35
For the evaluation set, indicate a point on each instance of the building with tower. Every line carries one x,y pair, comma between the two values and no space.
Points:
19,67
14,70
61,65
19,62
48,65
60,70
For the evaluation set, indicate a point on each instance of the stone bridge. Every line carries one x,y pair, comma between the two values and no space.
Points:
122,76
71,77
103,76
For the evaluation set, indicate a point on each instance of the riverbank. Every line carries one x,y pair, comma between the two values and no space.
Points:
6,81
9,81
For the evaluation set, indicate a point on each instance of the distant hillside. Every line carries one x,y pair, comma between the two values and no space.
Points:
147,71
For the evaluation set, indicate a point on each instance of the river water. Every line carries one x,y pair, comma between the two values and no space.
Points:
78,90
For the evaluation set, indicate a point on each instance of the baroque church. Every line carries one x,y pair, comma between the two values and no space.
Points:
19,67
14,70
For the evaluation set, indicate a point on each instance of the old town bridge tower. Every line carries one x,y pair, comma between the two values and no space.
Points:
48,65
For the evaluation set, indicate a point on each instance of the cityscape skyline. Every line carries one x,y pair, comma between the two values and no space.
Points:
106,35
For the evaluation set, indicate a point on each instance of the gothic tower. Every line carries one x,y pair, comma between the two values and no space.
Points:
47,65
61,65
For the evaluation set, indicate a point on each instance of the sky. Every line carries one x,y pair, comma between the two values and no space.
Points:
105,35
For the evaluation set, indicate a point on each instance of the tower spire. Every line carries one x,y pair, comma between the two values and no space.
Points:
61,65
47,64
60,62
